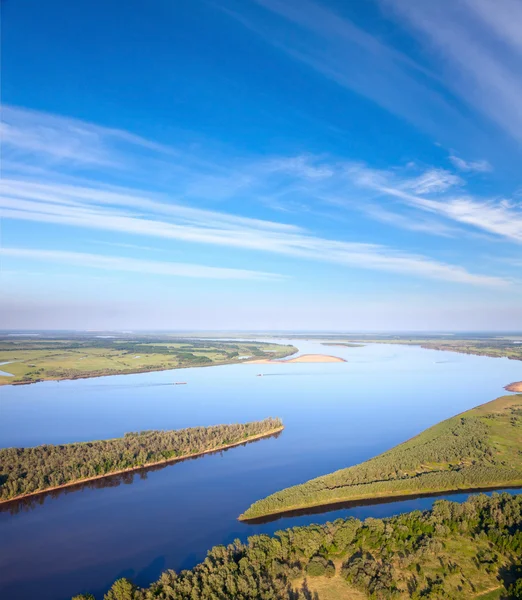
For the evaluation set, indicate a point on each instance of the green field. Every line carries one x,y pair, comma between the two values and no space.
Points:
468,551
478,449
34,359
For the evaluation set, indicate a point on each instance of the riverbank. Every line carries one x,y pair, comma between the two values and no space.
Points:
477,449
374,500
304,358
34,361
165,461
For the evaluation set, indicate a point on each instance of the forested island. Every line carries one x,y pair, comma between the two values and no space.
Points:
455,551
478,449
30,359
26,471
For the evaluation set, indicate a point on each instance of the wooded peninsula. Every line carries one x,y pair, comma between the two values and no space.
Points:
478,449
455,551
27,471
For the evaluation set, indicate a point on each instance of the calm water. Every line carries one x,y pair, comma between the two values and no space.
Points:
335,414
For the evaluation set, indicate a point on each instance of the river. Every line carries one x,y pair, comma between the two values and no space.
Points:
335,415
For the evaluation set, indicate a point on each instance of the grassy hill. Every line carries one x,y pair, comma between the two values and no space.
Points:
478,449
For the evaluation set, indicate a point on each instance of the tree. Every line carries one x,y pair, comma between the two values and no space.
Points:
122,589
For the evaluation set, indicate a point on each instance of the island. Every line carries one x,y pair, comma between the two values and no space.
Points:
31,359
304,358
29,471
476,450
514,387
455,551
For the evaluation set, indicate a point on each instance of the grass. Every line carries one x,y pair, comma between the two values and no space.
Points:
329,588
486,585
478,449
34,360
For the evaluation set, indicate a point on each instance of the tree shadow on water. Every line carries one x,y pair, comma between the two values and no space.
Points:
144,576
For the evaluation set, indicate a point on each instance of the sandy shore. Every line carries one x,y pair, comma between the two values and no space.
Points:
305,358
514,387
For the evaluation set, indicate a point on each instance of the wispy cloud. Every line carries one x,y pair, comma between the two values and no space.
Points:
63,139
355,59
116,263
470,166
86,202
81,207
433,181
124,245
500,217
479,42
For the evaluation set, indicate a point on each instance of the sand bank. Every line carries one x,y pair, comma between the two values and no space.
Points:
304,358
514,387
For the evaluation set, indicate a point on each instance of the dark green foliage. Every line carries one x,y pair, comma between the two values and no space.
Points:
27,470
319,566
382,557
515,590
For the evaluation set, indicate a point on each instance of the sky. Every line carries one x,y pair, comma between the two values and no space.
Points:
261,164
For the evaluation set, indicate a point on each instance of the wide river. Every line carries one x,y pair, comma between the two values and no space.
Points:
335,415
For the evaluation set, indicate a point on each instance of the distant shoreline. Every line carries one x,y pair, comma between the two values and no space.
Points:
132,371
144,466
304,358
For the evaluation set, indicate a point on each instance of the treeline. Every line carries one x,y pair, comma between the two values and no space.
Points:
455,551
29,470
492,350
478,449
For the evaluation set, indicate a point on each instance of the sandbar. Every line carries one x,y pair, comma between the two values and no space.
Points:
514,387
304,358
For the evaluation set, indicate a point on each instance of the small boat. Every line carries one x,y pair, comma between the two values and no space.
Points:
180,383
259,375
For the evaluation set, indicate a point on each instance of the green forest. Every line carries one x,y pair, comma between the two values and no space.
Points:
31,470
453,552
478,449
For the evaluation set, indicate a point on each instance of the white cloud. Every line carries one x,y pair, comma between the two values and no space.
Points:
116,263
46,197
479,43
433,181
65,139
473,166
355,59
80,207
502,218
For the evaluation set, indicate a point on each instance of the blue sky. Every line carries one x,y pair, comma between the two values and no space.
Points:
262,164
